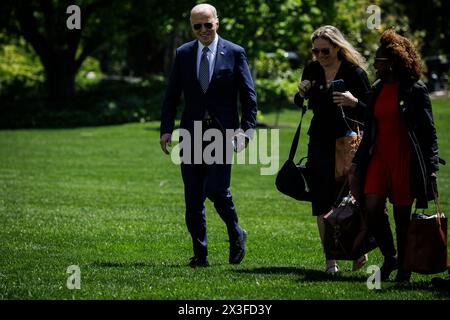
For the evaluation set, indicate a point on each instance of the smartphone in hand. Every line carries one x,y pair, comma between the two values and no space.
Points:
338,85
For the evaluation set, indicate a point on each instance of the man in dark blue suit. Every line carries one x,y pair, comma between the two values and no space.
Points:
211,72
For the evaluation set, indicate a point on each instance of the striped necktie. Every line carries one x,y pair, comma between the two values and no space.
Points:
203,73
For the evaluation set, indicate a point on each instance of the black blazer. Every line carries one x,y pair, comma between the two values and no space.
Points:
231,78
415,108
327,122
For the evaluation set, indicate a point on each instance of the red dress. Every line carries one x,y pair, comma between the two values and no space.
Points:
389,169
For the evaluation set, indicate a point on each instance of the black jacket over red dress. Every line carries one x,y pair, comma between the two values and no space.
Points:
415,110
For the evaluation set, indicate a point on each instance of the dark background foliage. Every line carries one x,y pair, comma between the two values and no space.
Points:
113,70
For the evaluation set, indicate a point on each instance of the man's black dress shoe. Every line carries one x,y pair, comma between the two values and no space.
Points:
198,262
237,249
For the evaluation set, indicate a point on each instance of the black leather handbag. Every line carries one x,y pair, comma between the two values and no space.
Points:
347,236
292,179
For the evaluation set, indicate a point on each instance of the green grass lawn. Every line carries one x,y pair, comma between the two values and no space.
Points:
108,200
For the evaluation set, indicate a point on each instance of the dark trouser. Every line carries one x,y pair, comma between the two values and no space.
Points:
211,181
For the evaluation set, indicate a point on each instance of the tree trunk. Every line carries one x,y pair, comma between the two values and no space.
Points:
60,79
169,54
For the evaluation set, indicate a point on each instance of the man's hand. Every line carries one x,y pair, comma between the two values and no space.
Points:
166,139
240,141
344,99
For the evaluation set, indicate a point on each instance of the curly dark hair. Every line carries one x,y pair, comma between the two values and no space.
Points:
405,59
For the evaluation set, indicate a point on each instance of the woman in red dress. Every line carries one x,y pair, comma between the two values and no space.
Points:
398,156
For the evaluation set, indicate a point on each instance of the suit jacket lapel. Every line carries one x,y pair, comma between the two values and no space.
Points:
220,53
193,59
193,65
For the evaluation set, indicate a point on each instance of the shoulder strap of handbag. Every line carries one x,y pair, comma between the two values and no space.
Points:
437,204
350,119
340,194
294,144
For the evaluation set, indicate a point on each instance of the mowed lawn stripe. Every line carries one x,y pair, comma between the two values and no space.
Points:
108,200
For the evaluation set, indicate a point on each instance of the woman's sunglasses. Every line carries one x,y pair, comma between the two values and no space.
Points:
207,25
325,51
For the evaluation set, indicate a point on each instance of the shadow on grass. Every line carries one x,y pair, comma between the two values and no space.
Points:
415,285
135,264
306,274
311,275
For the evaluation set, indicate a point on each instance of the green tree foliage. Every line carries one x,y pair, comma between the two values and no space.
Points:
138,38
61,51
265,26
19,69
426,21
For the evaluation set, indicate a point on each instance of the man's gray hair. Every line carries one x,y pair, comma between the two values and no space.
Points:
204,7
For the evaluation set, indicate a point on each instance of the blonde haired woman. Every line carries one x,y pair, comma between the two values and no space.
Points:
334,58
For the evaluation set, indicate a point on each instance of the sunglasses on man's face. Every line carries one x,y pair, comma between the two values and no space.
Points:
324,51
207,25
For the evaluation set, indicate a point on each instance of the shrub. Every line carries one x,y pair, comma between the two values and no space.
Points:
107,102
276,81
21,73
